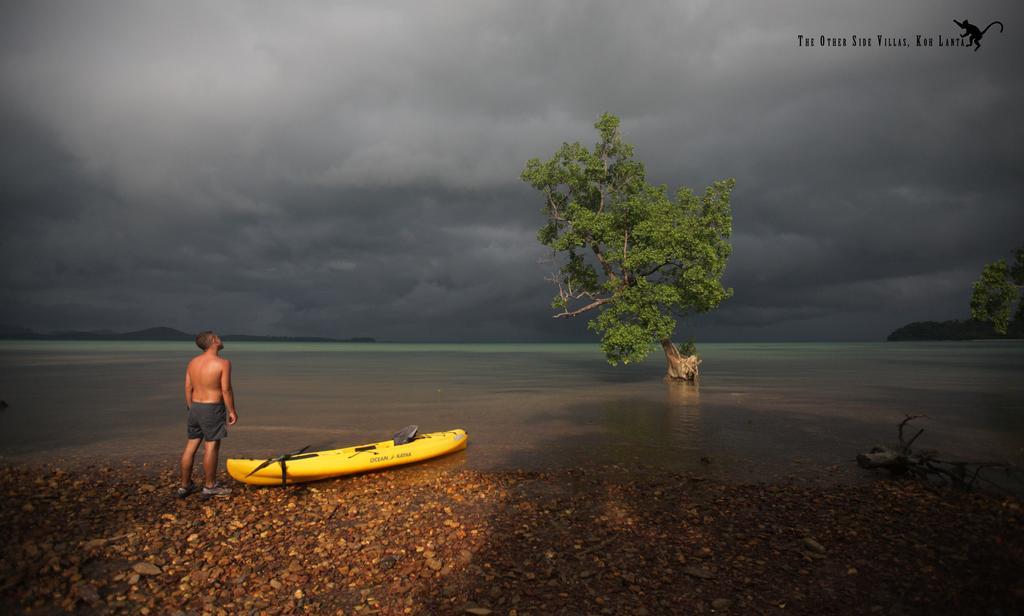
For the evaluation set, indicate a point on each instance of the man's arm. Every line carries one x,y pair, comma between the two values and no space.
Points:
188,389
227,392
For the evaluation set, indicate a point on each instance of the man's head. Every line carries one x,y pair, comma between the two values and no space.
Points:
208,339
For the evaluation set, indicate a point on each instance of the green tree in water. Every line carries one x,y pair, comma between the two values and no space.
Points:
628,252
996,290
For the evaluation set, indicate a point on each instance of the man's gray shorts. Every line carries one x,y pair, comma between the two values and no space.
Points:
208,421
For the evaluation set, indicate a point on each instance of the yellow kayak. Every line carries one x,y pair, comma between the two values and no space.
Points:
302,466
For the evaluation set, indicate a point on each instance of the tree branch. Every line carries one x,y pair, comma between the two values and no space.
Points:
565,290
551,205
909,418
590,306
607,267
646,274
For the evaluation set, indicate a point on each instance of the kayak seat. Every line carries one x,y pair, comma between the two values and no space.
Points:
405,435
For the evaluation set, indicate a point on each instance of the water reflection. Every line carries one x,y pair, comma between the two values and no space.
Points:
684,411
682,394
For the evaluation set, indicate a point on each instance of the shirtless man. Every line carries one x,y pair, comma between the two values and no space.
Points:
208,395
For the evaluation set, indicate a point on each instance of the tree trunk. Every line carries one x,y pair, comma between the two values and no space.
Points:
680,368
882,457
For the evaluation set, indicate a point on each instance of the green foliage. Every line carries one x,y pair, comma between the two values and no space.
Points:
688,348
627,250
1017,270
996,290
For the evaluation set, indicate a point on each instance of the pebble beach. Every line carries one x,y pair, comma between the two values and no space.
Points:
114,540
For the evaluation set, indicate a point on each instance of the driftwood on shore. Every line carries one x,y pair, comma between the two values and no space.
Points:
903,460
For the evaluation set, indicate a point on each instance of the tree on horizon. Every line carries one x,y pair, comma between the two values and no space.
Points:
996,290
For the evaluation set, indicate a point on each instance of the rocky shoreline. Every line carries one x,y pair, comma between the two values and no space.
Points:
580,541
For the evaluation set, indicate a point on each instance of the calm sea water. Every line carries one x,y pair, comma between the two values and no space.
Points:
760,410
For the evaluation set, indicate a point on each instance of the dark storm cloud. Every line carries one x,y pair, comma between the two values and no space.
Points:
352,169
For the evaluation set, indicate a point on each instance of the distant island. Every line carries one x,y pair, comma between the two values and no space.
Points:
14,332
968,329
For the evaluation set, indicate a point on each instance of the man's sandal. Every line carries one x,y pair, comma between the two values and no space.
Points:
186,490
216,490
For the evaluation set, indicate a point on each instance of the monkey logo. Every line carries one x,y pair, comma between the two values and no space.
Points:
973,33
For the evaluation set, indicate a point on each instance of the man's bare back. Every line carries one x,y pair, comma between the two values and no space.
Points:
211,406
208,380
204,378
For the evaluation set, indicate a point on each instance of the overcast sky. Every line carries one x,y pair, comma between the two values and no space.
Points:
352,169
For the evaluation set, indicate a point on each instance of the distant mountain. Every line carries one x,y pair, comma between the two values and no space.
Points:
155,333
16,332
252,338
954,330
7,331
152,333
